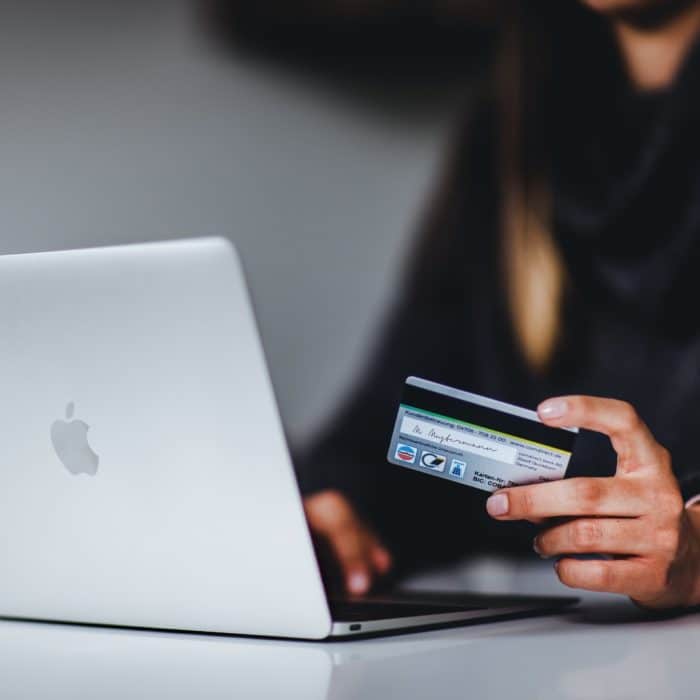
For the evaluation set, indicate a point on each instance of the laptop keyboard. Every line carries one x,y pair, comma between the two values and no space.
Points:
366,610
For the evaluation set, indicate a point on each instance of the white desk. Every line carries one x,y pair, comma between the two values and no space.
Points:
604,650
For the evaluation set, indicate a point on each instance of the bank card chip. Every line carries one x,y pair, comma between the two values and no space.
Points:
475,441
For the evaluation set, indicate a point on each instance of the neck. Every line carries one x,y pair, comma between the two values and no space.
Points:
654,53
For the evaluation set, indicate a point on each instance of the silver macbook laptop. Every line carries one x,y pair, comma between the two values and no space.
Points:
145,480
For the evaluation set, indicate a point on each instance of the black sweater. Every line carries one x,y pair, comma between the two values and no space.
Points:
626,187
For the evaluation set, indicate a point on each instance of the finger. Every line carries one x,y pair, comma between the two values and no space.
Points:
630,437
327,511
630,577
332,518
351,549
594,535
381,558
568,497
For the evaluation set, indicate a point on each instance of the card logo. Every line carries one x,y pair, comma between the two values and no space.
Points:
457,468
430,460
406,453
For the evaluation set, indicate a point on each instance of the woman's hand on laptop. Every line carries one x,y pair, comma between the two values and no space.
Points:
343,537
637,516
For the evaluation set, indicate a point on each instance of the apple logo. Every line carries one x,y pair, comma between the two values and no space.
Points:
69,438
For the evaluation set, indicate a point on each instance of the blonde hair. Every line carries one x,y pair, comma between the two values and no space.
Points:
532,267
532,273
534,278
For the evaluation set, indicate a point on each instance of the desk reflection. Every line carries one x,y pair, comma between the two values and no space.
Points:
596,652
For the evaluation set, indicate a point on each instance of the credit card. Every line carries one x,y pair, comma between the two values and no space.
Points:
475,441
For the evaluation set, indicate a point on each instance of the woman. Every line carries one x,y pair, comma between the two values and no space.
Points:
559,261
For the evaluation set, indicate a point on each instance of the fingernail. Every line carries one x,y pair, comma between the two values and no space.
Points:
535,546
358,583
497,505
553,408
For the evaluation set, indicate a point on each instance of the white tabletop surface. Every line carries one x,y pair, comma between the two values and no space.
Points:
605,649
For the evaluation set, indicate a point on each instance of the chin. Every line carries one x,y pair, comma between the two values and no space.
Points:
619,5
637,7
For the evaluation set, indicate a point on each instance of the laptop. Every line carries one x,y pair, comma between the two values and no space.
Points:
145,480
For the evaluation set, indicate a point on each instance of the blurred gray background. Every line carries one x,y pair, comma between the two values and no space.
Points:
122,122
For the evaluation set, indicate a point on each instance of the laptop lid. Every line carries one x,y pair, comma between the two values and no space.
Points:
144,476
